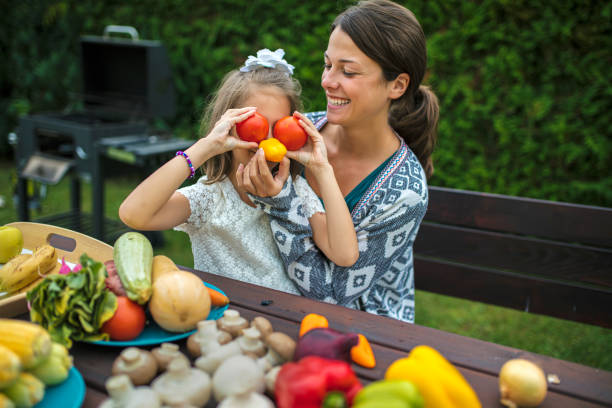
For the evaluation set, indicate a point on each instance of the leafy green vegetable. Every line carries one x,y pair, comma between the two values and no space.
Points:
74,306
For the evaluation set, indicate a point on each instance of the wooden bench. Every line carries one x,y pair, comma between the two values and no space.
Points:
543,257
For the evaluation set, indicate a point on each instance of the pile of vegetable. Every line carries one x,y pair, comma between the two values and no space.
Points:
234,362
245,364
29,361
176,299
102,301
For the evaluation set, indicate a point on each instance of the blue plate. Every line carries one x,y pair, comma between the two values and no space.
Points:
153,334
69,394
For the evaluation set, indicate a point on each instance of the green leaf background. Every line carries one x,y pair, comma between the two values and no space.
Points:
524,86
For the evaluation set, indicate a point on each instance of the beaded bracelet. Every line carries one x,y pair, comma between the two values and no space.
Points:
191,169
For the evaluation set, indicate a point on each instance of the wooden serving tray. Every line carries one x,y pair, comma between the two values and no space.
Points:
69,244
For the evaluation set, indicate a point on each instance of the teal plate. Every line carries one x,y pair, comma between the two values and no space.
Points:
69,394
153,334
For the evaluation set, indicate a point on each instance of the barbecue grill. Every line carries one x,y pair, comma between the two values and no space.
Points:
126,83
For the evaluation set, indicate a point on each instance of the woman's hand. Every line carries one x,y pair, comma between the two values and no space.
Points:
257,179
222,138
314,153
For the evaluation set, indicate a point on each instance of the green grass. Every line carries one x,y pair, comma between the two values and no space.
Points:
580,343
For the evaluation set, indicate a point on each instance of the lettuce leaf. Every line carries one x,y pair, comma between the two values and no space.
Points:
74,307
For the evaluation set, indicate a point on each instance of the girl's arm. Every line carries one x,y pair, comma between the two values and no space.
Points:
333,231
155,204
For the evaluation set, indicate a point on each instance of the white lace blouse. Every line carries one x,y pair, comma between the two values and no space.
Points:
230,238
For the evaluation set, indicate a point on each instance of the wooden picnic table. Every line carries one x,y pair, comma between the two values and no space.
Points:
479,361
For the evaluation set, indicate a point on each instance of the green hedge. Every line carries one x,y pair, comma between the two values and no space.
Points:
524,85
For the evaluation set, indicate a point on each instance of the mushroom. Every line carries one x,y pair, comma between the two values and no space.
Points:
248,400
250,342
270,379
280,349
263,325
207,332
166,353
182,384
210,360
237,375
232,322
123,394
139,365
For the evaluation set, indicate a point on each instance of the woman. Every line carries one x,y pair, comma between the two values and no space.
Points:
379,130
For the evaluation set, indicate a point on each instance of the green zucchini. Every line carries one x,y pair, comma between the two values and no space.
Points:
133,256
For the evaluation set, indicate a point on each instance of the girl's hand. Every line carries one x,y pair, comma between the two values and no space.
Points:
314,153
257,179
223,138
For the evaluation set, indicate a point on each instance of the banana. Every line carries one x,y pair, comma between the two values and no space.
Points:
9,269
24,269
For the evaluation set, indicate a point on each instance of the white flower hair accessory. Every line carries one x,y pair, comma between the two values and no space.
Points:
268,59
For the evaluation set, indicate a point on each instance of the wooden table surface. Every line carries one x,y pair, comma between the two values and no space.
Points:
479,361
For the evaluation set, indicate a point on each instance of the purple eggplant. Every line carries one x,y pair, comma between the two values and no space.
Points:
327,343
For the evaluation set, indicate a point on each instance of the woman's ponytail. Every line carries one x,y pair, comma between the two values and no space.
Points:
415,118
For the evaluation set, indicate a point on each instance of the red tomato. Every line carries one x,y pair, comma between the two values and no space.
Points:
290,133
253,129
128,321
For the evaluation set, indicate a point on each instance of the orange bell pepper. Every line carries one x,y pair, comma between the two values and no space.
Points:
312,321
362,353
273,149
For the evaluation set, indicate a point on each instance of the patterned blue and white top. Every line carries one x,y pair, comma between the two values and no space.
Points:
386,219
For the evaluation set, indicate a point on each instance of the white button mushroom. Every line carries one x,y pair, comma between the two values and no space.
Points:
139,365
237,375
248,400
232,322
123,394
205,336
182,383
280,350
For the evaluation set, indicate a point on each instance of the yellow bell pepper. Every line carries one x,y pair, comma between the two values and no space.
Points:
439,382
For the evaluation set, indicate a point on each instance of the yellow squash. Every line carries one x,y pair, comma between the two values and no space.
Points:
179,301
161,265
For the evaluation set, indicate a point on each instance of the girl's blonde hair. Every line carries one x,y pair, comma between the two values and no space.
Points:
234,90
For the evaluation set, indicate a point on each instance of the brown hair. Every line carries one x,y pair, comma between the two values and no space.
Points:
235,88
390,34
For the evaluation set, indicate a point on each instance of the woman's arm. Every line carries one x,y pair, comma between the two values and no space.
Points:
385,233
386,221
154,204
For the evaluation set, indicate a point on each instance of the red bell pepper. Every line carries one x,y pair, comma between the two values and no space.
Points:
305,384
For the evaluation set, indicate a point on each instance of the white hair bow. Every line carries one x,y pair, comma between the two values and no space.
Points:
268,59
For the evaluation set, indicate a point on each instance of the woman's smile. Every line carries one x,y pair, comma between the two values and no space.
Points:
335,102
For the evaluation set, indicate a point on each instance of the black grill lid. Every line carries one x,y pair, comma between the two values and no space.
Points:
127,75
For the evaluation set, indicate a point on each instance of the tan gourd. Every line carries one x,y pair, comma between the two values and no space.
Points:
179,301
161,265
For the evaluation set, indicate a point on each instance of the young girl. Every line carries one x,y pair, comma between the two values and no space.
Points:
229,235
